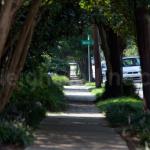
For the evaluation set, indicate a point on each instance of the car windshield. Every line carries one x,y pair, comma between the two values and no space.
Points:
128,62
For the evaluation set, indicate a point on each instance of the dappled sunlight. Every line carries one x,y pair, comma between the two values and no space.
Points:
77,140
76,115
80,127
67,56
78,93
78,87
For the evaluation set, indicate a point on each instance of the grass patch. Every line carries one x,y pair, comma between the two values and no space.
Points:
60,80
98,91
90,84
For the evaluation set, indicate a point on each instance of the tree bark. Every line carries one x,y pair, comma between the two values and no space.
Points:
96,50
115,76
83,65
19,55
8,10
112,52
143,38
105,46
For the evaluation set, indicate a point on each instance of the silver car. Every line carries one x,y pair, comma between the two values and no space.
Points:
130,66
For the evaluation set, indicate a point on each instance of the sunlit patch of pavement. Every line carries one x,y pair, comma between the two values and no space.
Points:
78,93
76,115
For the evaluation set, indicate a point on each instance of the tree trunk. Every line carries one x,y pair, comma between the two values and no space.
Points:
98,70
115,76
83,65
105,46
143,36
19,55
8,10
112,52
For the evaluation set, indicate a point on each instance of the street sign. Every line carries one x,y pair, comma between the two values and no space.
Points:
87,42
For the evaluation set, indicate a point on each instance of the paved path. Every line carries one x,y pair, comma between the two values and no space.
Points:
78,93
81,127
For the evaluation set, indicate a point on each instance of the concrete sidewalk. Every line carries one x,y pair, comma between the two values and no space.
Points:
79,93
81,127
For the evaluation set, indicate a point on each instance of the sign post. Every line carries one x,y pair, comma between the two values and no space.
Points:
89,59
88,42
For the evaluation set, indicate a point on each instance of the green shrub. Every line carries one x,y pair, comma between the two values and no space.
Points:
120,114
127,113
119,110
35,94
129,88
60,81
32,98
102,105
26,112
90,84
46,91
10,133
52,98
98,92
141,127
59,66
33,113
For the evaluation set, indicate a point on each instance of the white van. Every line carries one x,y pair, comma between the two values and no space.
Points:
130,66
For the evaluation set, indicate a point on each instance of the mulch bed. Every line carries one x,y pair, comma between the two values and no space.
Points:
10,147
133,142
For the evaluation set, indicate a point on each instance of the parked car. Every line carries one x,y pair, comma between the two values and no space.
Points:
104,69
130,66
